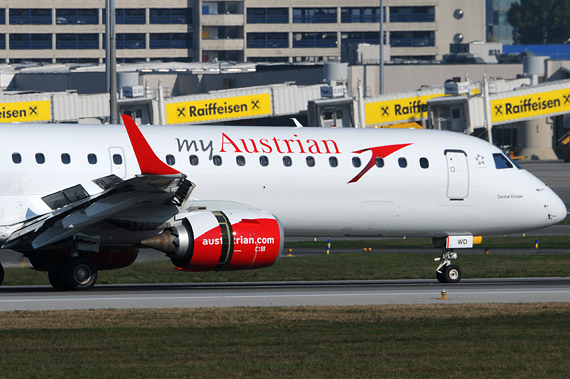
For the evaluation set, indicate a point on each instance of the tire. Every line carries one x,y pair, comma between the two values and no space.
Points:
440,276
80,274
1,274
452,274
55,275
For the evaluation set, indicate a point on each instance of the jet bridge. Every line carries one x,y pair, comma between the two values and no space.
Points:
515,103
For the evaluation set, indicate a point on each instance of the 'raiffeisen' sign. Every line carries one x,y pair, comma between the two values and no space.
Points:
412,108
219,109
532,105
26,111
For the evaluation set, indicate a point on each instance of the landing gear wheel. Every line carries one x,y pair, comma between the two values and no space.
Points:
55,275
440,276
1,274
80,274
452,274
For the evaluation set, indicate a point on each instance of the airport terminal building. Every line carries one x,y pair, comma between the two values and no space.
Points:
67,31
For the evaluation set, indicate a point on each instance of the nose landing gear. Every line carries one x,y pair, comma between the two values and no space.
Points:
447,272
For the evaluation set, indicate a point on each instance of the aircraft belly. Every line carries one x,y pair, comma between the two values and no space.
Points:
373,218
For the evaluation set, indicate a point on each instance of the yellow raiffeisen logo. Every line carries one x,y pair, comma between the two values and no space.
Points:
28,111
537,104
218,109
400,110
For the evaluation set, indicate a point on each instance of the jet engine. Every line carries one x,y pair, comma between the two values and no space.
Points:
221,240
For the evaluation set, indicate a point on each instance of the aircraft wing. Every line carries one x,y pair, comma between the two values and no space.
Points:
74,211
159,189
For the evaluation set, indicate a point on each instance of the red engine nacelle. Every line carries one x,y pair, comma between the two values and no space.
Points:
228,240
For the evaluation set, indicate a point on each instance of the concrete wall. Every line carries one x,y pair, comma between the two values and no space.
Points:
555,71
471,26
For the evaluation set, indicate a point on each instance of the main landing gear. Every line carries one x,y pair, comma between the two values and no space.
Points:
76,273
447,272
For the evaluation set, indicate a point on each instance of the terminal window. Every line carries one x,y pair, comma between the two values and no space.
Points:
314,15
30,41
77,16
130,41
309,40
412,39
128,16
170,16
170,40
412,14
30,16
76,41
351,38
267,15
267,40
361,14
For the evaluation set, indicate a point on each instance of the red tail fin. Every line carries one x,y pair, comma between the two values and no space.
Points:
149,163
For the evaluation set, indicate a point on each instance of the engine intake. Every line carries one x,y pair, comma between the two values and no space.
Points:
222,240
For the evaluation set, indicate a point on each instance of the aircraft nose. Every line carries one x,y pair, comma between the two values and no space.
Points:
555,206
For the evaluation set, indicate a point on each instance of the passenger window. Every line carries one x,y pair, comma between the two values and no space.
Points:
402,162
16,158
379,162
194,160
170,160
40,158
65,158
92,158
333,162
287,162
356,162
310,161
117,159
264,161
424,163
217,160
240,160
501,161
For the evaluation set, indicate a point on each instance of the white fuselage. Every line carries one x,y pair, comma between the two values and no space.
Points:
461,191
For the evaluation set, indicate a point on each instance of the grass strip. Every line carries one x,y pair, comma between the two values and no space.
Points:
555,241
398,341
337,266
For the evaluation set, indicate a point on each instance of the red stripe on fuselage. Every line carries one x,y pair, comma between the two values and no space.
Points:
377,152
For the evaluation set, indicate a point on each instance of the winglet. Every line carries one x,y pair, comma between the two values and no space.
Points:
149,163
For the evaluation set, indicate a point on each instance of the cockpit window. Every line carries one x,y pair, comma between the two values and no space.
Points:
515,163
501,161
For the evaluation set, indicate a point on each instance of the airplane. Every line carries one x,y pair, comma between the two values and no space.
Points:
78,199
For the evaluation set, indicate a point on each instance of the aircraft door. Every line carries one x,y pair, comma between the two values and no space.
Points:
118,163
457,174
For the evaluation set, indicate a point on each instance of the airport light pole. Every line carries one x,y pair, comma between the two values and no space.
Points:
111,59
381,47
